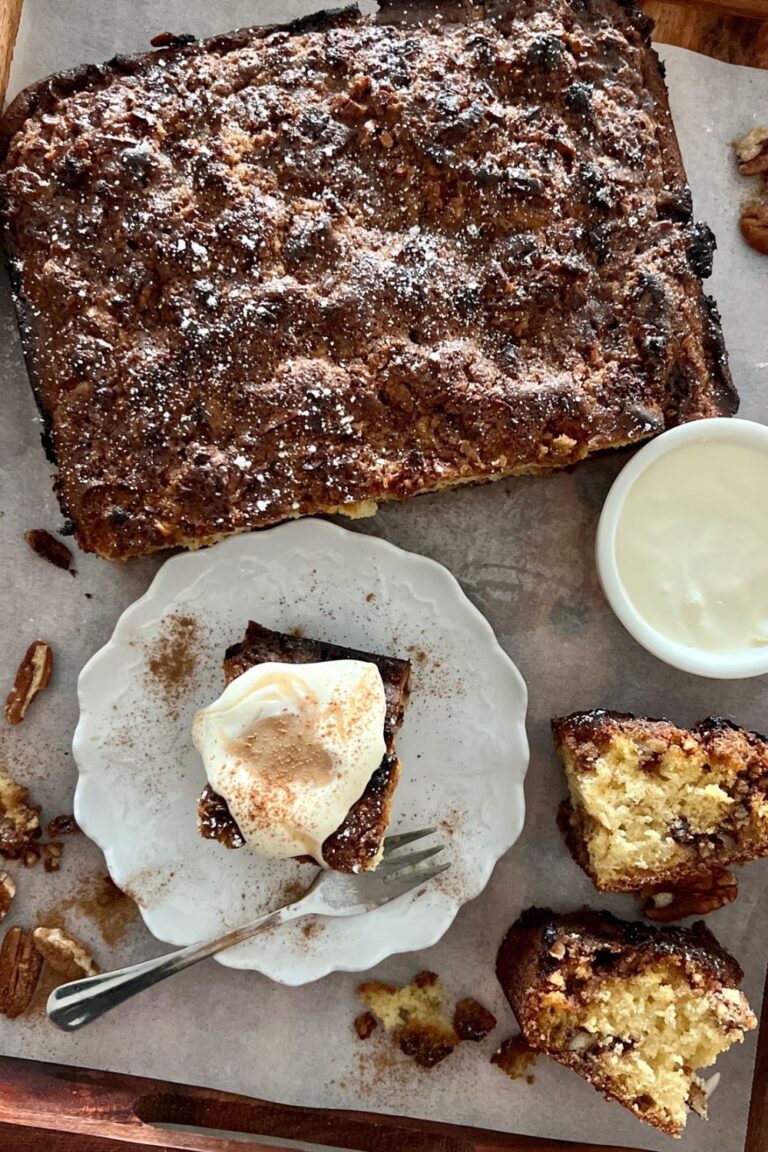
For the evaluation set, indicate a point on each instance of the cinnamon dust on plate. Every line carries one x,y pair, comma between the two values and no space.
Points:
172,658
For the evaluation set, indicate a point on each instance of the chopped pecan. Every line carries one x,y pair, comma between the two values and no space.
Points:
752,152
754,224
7,893
700,1092
64,953
52,854
32,677
514,1057
62,826
694,898
53,550
20,967
19,820
365,1024
471,1021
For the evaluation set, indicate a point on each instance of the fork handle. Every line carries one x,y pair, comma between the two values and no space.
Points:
76,1004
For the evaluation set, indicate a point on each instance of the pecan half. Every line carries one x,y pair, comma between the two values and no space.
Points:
7,893
752,152
32,677
54,551
695,898
64,953
19,820
754,225
20,967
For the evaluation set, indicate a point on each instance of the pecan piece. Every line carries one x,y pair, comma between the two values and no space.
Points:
54,551
20,967
19,820
754,225
52,854
62,826
752,152
7,893
64,953
471,1021
694,898
700,1092
32,677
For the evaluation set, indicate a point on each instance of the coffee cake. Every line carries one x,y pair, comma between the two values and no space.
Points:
636,1011
308,269
655,805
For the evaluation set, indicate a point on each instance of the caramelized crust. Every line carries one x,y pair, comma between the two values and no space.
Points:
356,843
305,270
655,805
635,1010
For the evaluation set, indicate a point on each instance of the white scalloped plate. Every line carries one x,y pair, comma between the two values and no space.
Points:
463,745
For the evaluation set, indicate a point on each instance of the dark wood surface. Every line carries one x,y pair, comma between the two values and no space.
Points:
50,1108
97,1105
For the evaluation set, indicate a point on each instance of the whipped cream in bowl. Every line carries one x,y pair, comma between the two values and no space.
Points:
291,747
682,548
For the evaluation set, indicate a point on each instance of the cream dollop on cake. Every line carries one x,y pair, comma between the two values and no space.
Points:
291,749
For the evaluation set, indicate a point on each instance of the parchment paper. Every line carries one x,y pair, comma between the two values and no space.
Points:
523,552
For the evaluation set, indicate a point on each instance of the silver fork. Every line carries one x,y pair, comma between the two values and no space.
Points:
74,1005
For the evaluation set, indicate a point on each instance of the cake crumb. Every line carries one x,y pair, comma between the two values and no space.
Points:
514,1057
471,1021
365,1024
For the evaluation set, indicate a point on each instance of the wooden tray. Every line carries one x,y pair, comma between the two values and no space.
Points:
53,1108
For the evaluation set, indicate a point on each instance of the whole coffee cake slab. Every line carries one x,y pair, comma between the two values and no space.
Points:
302,270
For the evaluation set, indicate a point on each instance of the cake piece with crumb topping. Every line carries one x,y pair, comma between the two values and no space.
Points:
637,1011
652,804
353,259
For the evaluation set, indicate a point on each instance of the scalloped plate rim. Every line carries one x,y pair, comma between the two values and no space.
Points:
169,577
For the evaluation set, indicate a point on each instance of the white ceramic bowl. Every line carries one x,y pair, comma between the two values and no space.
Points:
720,666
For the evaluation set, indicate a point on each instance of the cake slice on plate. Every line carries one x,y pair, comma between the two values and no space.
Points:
355,845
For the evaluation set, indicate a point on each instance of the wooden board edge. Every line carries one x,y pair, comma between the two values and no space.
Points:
727,16
127,1109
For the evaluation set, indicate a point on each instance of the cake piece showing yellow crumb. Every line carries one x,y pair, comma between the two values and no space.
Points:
635,1010
653,805
415,1015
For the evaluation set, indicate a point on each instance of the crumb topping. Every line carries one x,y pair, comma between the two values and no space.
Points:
310,269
